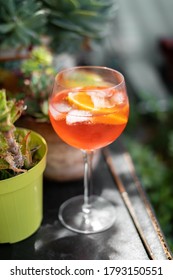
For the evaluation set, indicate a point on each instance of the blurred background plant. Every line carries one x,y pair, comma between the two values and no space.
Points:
36,80
149,140
21,23
74,24
69,24
32,81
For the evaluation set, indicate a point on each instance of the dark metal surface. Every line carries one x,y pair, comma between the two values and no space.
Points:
137,203
122,241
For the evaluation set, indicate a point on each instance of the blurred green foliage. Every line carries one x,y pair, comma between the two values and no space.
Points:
150,143
21,22
37,77
69,25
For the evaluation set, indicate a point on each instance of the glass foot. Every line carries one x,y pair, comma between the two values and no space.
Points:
99,216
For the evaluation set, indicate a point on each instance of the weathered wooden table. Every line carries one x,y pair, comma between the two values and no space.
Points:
136,233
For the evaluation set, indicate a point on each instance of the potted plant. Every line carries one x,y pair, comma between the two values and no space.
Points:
22,162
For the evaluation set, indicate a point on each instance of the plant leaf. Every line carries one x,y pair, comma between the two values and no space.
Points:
6,27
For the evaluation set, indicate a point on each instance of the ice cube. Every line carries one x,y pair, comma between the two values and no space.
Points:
100,99
56,114
78,116
118,98
59,110
62,107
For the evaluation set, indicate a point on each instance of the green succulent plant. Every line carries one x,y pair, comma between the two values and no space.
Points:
36,82
68,23
71,22
21,22
16,155
40,58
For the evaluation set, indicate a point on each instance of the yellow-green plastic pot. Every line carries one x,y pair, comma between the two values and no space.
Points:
21,199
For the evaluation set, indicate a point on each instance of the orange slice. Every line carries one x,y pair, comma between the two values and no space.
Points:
83,100
101,115
113,119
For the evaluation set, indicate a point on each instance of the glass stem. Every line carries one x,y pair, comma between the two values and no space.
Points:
87,156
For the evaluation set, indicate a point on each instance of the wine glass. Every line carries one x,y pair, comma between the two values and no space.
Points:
88,109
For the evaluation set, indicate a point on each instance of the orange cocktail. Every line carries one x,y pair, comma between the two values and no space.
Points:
88,109
89,117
